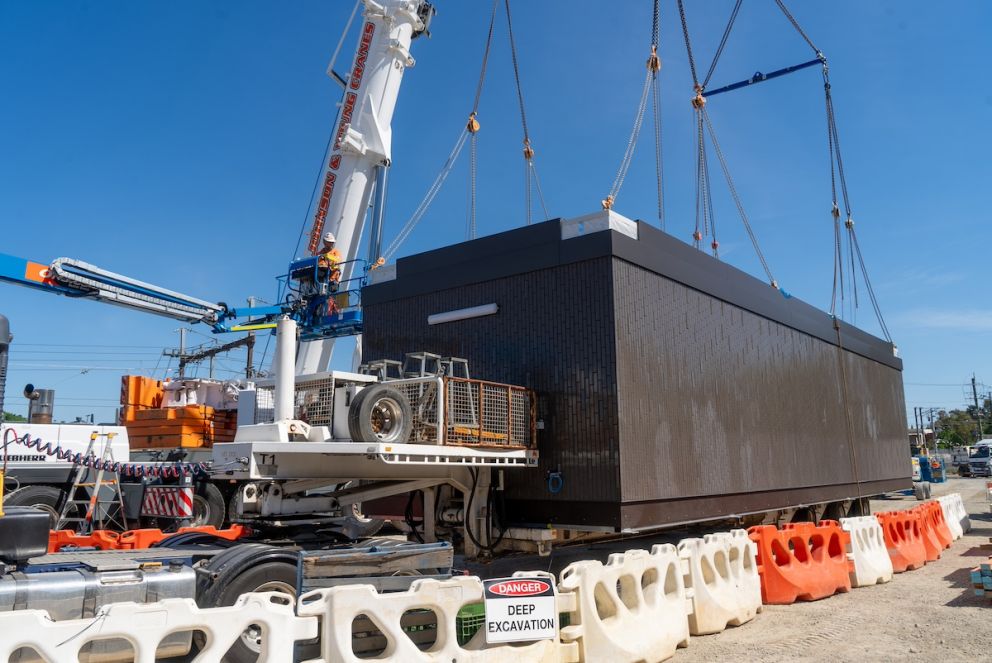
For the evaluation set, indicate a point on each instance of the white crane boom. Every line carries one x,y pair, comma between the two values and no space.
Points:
362,139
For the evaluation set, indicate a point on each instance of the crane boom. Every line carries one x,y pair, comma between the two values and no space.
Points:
363,137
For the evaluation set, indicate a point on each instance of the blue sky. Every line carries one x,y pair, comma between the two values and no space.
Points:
179,143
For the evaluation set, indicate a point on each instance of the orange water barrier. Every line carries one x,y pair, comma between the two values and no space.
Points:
802,561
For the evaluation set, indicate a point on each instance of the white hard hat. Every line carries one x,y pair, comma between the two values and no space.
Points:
329,237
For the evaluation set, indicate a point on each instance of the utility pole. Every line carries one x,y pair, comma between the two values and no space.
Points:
209,353
182,352
250,361
978,412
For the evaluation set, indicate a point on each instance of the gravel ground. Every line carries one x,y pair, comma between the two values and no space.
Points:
929,614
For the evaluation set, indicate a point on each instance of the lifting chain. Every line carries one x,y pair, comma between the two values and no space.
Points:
651,89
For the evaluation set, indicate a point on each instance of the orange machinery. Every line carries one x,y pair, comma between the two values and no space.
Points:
151,424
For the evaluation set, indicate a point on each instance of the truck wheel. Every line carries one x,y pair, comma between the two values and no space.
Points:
45,498
269,577
208,506
380,413
243,568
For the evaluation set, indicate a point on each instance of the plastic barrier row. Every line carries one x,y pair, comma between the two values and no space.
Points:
144,626
639,606
340,606
134,539
916,536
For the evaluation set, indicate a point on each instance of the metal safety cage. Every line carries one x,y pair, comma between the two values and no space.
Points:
489,414
313,401
426,397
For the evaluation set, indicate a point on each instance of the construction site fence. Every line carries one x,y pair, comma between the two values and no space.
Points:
641,605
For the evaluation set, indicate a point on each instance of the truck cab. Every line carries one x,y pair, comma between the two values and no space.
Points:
980,460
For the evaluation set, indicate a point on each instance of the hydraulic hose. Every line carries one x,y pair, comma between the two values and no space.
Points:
163,470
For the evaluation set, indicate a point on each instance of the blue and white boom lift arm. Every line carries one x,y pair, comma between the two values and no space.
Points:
322,306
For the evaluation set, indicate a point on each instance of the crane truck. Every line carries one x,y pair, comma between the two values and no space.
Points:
295,472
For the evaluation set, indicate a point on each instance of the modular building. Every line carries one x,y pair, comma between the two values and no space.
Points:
671,386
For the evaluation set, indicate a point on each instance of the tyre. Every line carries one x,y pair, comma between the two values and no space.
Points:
208,506
243,568
268,577
380,413
45,498
360,527
859,507
833,511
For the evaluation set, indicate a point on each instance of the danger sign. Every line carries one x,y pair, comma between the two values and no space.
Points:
520,609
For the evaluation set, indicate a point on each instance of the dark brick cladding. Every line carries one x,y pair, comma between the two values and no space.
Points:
661,402
554,334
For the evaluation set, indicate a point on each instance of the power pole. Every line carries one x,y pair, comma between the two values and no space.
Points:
199,354
978,412
209,353
182,352
250,361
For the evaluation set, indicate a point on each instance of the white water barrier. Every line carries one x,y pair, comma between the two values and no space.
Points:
145,625
866,548
390,617
955,514
721,579
632,609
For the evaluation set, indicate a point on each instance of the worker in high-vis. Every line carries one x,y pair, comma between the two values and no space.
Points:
330,258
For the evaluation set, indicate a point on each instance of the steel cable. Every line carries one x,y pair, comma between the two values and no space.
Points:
736,197
428,198
795,24
688,44
658,161
723,42
632,141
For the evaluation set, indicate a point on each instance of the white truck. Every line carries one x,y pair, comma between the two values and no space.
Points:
36,478
980,460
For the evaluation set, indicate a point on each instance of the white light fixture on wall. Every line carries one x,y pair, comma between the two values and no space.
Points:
462,314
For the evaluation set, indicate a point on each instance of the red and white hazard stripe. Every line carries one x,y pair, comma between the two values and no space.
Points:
168,501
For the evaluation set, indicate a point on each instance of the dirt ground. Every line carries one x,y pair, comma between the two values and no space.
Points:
929,614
